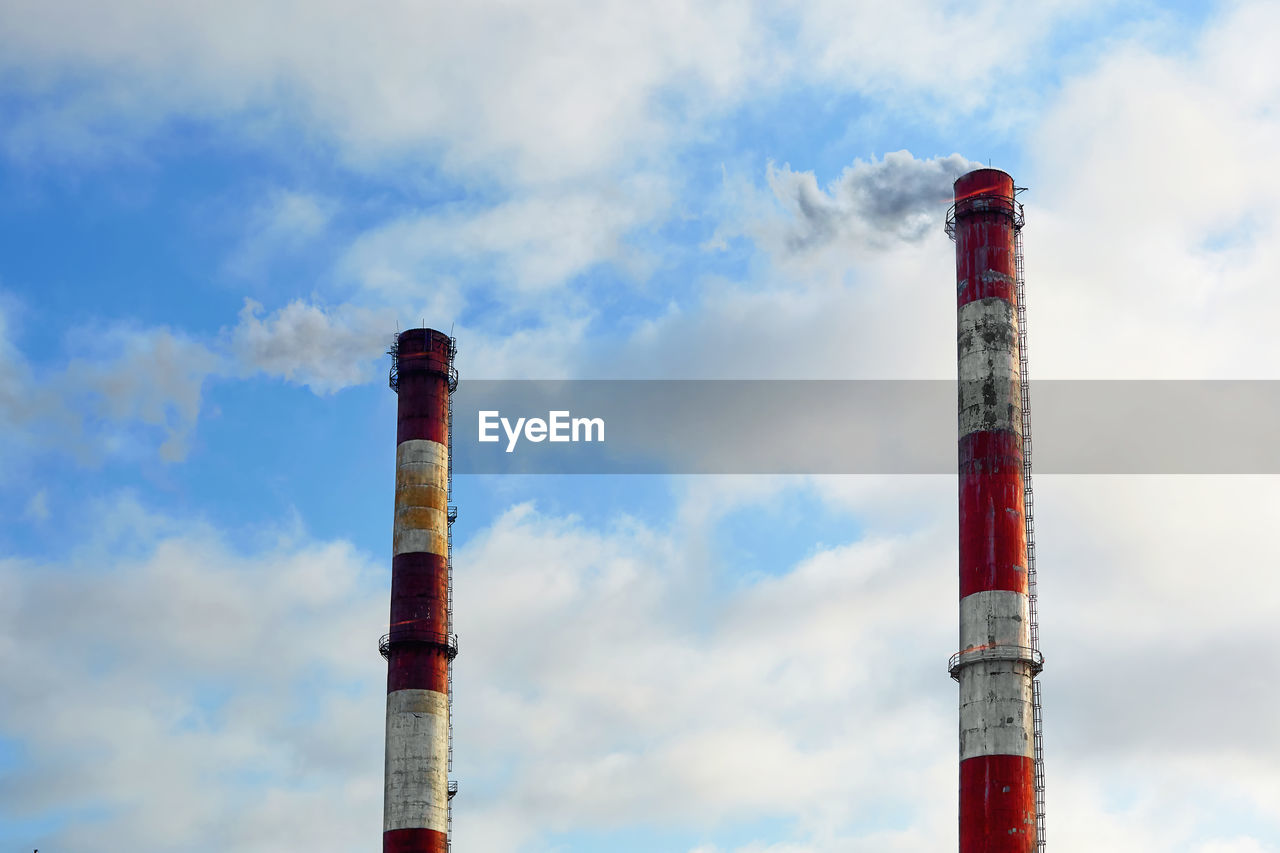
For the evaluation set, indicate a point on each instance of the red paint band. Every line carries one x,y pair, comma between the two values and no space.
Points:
420,592
985,258
993,536
985,265
983,182
424,349
414,841
997,804
417,666
419,613
423,408
423,358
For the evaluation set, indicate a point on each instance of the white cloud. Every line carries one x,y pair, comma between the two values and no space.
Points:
1154,212
522,247
1148,722
847,286
601,684
13,369
121,390
818,695
223,684
1157,606
153,377
551,350
530,94
876,320
37,508
283,222
294,216
913,49
1238,845
662,706
610,681
538,93
127,393
1151,244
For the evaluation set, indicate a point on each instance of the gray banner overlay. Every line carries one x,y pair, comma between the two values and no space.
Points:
855,427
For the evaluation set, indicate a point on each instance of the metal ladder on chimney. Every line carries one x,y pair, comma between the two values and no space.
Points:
1029,510
451,513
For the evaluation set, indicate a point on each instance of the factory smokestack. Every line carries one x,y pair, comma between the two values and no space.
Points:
420,645
1001,775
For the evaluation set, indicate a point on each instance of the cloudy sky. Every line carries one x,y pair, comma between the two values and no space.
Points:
213,216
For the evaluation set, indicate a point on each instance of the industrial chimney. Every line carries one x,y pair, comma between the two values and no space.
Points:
1001,772
420,646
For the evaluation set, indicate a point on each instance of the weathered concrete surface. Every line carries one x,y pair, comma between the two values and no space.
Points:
417,761
995,709
994,617
422,498
989,374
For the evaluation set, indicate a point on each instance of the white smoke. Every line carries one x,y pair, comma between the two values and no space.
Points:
872,203
303,343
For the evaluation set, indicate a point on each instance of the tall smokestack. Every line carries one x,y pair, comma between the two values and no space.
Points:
420,645
997,665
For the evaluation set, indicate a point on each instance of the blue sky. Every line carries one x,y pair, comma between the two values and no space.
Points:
212,220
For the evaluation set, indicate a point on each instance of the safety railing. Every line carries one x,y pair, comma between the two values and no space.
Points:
393,375
448,642
984,204
981,654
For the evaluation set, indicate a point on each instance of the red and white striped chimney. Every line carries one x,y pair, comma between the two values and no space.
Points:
996,664
420,645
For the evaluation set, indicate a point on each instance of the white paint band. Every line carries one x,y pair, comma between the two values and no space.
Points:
416,789
994,617
986,324
989,371
422,495
995,709
420,529
421,461
995,695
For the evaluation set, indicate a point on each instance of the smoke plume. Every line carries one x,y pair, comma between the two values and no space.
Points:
871,203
